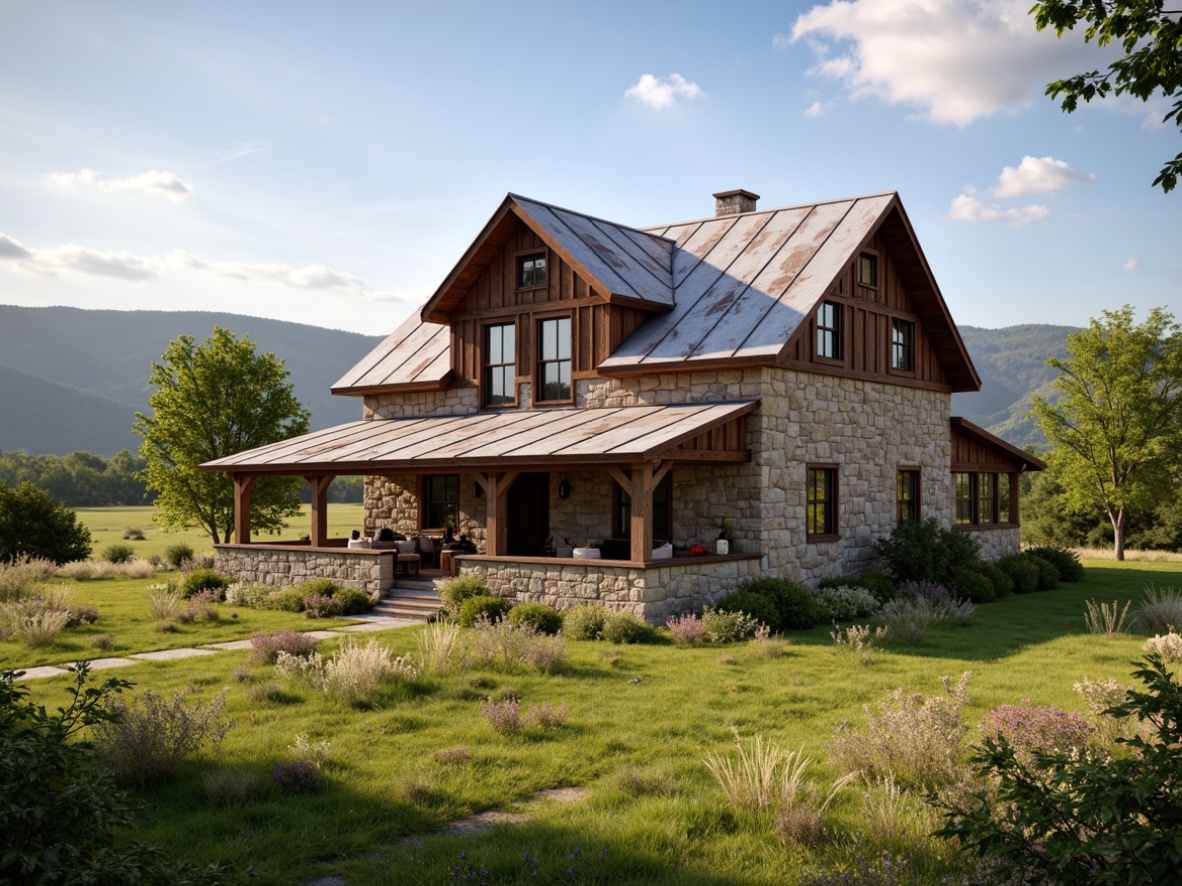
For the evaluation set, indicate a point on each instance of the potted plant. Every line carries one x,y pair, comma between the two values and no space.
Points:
723,545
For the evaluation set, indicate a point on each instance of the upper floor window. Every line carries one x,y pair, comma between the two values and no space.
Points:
829,330
531,270
907,496
554,360
500,365
821,503
867,269
903,345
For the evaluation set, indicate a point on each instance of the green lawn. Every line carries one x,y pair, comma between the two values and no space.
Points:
641,720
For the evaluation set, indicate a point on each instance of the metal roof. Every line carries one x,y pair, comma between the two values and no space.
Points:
486,440
415,355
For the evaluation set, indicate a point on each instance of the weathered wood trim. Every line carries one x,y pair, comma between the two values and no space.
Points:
243,486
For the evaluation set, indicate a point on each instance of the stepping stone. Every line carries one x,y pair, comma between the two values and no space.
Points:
383,625
38,673
322,635
100,664
170,654
229,644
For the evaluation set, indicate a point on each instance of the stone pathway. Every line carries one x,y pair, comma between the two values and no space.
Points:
365,624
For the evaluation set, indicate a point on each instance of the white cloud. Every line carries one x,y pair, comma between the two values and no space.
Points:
1038,175
51,261
662,92
308,277
817,109
1132,263
153,183
956,60
967,207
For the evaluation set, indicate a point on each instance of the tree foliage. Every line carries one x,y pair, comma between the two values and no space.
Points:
213,400
1151,37
34,524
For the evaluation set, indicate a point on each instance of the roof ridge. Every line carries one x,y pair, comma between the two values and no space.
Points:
815,203
593,218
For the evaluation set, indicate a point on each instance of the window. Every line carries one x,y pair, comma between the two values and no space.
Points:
554,361
662,510
441,499
986,497
867,269
829,330
531,270
1003,498
965,489
907,496
821,502
902,345
500,365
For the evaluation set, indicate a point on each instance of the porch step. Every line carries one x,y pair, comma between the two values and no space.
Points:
420,602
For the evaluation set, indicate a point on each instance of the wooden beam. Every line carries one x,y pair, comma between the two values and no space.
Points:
243,484
496,520
319,535
620,477
642,513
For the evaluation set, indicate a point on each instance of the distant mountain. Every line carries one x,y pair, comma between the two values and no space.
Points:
1012,366
74,378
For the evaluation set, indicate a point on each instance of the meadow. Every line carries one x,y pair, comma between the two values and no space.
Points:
641,721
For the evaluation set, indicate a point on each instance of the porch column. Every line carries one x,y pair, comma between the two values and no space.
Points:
496,526
243,484
319,534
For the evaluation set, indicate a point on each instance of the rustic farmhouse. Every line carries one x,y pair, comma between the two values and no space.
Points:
587,404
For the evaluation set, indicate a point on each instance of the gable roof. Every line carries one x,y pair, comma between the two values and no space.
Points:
1022,459
414,357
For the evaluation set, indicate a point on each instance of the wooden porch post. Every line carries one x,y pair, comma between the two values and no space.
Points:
319,533
496,526
642,513
243,484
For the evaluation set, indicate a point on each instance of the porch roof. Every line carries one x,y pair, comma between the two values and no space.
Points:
478,441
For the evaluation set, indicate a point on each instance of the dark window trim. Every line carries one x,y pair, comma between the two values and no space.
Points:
908,346
1002,480
485,366
622,528
833,486
917,494
522,256
425,502
539,362
837,330
869,253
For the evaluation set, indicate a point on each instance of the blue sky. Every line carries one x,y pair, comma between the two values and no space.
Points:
328,163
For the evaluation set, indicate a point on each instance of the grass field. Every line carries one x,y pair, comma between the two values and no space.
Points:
641,721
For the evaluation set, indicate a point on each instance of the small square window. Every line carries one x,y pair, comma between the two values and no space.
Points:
829,330
531,271
867,269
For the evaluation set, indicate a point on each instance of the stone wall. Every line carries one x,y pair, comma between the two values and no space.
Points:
997,542
279,567
652,594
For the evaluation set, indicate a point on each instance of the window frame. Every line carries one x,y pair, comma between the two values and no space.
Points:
834,332
519,261
871,257
969,501
986,498
426,501
486,366
540,362
912,504
830,502
622,510
905,347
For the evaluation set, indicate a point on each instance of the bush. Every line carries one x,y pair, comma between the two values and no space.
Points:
147,740
204,580
503,716
231,786
35,524
1168,646
133,533
727,627
41,628
353,601
686,629
843,603
1003,585
81,614
319,606
926,551
324,587
1048,575
796,607
118,553
504,646
1022,572
1066,562
624,627
285,600
18,578
357,672
295,777
266,647
455,592
1161,610
971,584
492,608
439,646
585,622
544,618
757,606
877,583
175,555
1030,728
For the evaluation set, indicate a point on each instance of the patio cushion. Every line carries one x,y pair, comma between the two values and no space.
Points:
407,547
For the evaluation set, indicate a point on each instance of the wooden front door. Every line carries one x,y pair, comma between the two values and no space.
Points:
528,515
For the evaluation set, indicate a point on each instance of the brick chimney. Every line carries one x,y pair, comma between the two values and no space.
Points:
734,202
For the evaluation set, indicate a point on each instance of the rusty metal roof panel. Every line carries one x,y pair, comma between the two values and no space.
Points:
416,353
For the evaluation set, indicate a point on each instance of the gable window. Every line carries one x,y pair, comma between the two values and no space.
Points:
531,270
829,330
441,500
500,365
554,361
903,345
965,495
907,496
662,510
821,503
867,269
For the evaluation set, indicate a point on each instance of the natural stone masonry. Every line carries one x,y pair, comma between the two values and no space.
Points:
996,543
278,566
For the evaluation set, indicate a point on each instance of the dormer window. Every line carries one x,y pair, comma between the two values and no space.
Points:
531,270
867,273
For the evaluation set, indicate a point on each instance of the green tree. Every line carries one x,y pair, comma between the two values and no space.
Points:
214,400
1151,36
1116,429
35,524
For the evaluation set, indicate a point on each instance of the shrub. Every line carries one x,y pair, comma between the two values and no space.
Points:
972,585
585,622
624,627
81,614
163,601
133,533
41,628
319,606
1022,572
843,603
1160,611
546,716
284,600
455,592
1066,562
18,578
118,553
265,648
295,777
139,568
353,601
314,752
1169,646
759,607
727,627
177,554
1029,728
859,640
503,716
354,676
325,587
797,609
439,646
147,740
79,570
1003,585
35,524
250,596
1048,575
926,551
198,561
915,741
231,785
507,647
877,583
204,580
102,641
492,608
686,629
544,617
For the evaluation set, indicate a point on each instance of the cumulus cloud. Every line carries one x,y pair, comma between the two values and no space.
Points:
1038,175
955,60
153,183
662,92
970,208
1132,263
817,109
54,260
307,277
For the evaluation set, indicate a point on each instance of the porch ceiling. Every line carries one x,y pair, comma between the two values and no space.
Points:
482,441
